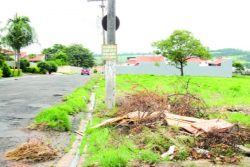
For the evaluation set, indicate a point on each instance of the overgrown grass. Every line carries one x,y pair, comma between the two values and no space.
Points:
235,117
107,147
58,116
214,90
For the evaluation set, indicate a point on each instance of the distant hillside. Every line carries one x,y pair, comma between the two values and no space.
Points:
235,54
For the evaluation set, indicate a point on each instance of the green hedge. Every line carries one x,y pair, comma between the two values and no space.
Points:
33,70
16,72
1,73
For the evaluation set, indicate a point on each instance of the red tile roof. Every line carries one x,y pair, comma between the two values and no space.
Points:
146,59
217,61
195,60
6,51
24,55
37,58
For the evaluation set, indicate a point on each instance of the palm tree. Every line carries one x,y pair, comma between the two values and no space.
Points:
19,34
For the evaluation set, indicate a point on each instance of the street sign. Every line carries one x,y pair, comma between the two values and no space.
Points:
109,52
105,20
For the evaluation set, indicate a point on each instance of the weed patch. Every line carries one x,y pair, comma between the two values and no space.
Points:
58,116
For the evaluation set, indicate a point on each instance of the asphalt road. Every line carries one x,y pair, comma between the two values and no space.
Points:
21,99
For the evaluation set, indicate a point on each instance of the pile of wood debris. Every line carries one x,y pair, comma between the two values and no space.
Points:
192,125
34,150
148,109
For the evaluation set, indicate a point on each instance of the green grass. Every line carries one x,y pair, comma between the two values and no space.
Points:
107,147
71,142
214,90
240,118
58,117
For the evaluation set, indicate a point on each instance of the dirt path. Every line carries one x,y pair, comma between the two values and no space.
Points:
21,99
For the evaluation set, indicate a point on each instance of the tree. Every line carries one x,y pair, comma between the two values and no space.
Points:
239,68
80,56
56,53
19,34
179,47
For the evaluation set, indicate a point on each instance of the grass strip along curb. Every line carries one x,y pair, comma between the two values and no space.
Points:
58,117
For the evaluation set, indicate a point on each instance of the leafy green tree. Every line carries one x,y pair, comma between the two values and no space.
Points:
179,47
6,70
80,56
51,53
19,34
239,67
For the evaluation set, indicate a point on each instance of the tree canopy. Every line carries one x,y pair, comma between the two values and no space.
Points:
80,56
75,55
179,47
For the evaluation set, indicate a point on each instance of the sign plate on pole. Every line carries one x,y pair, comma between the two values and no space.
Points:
109,52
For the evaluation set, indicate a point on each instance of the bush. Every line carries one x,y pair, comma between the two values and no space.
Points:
45,67
16,73
6,70
95,71
1,73
24,64
33,70
52,67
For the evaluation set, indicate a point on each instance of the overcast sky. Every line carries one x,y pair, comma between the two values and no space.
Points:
217,23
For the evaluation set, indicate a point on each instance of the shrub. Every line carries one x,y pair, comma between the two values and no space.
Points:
52,67
33,70
6,70
15,74
1,73
95,71
45,67
24,64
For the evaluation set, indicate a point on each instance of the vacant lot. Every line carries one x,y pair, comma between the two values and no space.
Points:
215,91
114,145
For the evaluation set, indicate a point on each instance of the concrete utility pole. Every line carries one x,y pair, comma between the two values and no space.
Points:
110,63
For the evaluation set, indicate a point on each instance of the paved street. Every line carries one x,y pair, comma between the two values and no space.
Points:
21,99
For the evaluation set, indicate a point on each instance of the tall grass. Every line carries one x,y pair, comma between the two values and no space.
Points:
215,91
58,116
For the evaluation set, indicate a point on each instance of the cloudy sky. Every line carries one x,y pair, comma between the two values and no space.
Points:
217,23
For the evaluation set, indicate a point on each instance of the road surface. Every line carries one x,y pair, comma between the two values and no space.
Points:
21,99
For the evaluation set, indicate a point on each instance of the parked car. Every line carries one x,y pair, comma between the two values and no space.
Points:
85,71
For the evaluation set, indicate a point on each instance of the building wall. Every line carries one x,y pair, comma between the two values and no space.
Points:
192,69
69,69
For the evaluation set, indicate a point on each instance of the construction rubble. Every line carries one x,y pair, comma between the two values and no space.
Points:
215,139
